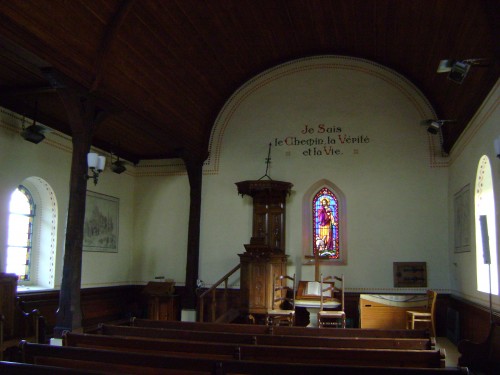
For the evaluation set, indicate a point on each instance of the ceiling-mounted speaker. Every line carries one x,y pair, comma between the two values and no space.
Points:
458,71
434,126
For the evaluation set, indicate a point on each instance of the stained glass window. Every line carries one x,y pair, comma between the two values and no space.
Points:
20,235
325,222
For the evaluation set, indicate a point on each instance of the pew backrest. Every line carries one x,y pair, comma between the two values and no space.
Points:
289,354
91,360
279,330
274,340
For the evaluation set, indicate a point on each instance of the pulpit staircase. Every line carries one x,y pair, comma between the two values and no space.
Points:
220,308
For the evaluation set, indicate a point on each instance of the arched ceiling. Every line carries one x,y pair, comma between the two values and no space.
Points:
163,69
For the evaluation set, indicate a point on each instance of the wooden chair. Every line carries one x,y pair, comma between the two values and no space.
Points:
283,308
332,318
426,316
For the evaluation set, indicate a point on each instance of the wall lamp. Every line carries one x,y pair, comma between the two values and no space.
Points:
96,164
497,146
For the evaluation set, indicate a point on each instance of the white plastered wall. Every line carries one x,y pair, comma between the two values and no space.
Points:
395,184
51,161
475,142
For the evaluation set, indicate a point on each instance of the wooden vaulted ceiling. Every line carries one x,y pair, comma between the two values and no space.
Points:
163,69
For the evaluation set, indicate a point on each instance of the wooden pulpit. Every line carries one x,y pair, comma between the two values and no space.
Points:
265,257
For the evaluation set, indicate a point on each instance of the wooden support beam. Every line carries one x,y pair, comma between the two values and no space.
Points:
83,116
194,167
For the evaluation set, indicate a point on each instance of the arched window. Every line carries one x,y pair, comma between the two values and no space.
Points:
20,235
324,223
484,200
32,234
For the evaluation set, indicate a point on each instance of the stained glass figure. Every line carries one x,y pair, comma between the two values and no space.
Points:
325,224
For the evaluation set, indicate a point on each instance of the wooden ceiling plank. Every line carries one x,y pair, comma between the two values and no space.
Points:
103,52
171,65
45,21
168,28
149,93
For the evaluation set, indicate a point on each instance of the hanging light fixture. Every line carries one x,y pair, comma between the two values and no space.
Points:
118,166
35,132
96,164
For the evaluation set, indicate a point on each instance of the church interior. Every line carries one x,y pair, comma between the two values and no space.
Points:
251,175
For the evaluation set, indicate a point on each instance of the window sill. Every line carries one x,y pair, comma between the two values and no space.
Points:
31,288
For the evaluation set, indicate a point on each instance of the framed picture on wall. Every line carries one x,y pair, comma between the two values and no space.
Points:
100,231
461,211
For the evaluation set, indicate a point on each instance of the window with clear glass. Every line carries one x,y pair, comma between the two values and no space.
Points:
20,233
485,224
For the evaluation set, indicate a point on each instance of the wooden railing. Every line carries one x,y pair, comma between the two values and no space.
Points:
212,292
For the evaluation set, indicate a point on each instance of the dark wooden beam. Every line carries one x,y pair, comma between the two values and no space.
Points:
194,167
27,90
83,116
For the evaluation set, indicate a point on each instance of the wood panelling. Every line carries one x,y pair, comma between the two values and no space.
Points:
98,305
111,303
474,320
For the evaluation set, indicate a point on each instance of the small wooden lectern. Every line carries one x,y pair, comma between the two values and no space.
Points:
162,302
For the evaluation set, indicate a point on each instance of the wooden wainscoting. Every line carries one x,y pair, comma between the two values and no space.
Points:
98,304
110,303
474,320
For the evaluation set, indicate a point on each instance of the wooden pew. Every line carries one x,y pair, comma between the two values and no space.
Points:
94,360
275,340
279,330
268,353
16,368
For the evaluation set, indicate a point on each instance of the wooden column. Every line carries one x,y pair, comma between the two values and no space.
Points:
83,116
194,168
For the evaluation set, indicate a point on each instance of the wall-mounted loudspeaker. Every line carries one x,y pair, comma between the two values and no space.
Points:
486,240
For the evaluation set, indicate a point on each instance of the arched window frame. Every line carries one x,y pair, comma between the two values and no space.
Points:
484,205
44,244
28,245
308,222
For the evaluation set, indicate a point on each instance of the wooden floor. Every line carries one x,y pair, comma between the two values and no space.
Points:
452,353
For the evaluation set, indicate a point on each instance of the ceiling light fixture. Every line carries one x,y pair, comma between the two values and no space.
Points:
34,133
117,166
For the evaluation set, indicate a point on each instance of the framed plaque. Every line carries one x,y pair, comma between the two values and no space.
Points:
410,274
